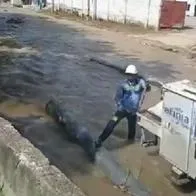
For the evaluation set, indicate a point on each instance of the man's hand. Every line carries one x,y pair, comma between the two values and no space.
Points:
148,87
118,105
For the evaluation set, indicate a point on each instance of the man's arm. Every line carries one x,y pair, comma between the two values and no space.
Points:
119,94
148,87
145,84
144,87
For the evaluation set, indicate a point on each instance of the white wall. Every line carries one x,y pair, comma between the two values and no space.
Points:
137,11
116,10
191,11
146,12
154,12
102,9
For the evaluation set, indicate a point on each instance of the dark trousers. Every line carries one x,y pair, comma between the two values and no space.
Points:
119,115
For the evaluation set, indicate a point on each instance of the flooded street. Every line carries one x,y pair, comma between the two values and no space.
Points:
52,60
60,69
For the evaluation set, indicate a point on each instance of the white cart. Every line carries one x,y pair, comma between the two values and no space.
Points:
173,122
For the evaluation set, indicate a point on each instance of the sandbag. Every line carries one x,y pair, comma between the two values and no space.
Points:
74,131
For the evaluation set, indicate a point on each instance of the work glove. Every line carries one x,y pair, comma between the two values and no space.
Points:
119,106
148,87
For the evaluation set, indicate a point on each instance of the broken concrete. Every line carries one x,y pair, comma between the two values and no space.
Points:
16,3
26,171
15,21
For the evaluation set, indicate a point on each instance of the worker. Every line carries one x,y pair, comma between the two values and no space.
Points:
129,97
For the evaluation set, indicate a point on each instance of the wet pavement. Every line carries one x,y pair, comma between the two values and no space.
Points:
60,68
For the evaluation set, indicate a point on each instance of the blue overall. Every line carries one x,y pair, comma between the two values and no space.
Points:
129,97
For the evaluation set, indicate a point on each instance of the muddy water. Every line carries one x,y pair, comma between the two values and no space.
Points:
153,170
61,70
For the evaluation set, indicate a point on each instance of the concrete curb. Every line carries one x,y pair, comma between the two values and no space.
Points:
107,63
121,68
26,171
110,165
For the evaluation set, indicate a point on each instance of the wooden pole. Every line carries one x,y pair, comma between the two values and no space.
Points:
88,8
52,6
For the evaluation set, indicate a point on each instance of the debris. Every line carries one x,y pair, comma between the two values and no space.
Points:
15,21
9,42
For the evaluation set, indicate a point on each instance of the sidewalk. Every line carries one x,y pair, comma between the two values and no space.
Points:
182,41
175,40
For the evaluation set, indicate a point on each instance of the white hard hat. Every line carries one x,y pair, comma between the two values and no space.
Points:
131,69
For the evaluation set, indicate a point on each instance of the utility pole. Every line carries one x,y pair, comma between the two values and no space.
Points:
148,14
88,8
52,6
94,9
125,16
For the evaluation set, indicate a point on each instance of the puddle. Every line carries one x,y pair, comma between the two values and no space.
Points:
70,158
9,42
151,169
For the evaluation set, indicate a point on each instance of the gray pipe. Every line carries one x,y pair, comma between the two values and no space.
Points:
74,131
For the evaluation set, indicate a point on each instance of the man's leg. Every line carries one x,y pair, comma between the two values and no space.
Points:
132,120
119,115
